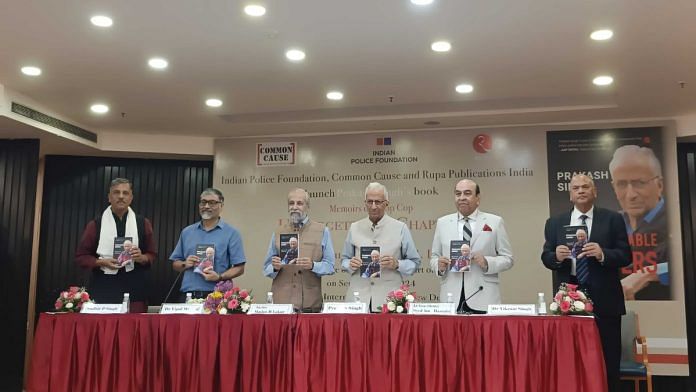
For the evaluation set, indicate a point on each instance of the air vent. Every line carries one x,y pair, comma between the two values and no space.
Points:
53,122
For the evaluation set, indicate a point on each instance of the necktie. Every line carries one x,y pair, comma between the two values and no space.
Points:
582,270
466,236
466,233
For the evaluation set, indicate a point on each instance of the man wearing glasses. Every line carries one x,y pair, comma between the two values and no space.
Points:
399,256
210,230
636,176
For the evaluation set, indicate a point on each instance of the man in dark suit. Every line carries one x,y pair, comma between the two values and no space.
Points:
597,268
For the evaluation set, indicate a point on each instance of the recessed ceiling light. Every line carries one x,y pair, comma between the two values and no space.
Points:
421,2
603,80
102,21
464,88
601,35
99,108
334,95
158,63
31,71
213,102
255,10
295,55
441,46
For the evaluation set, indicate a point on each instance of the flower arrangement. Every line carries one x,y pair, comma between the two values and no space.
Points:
398,301
235,301
72,299
212,302
570,300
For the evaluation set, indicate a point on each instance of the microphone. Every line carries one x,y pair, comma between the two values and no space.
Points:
464,303
480,289
173,284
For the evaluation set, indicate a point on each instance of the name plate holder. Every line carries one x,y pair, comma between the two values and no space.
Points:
512,310
92,308
431,308
271,309
182,308
344,308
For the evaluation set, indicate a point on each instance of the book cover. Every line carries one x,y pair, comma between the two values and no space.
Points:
575,238
289,248
206,257
370,268
460,256
122,248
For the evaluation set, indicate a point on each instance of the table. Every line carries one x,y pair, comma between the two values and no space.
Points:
315,352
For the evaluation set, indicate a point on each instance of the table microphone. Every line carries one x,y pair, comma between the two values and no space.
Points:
173,284
480,289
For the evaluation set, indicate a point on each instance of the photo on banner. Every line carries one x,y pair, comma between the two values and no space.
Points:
626,166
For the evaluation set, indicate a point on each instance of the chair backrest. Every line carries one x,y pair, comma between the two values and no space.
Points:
629,331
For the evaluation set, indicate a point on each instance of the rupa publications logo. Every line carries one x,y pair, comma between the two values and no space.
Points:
384,141
482,143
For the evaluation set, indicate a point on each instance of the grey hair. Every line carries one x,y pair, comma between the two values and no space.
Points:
631,152
376,186
213,191
119,181
306,194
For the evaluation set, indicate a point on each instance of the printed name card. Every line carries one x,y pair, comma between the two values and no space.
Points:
92,308
344,307
181,309
271,309
446,308
512,310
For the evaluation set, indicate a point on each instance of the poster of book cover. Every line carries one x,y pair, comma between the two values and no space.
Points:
370,268
460,256
206,257
122,248
626,166
289,248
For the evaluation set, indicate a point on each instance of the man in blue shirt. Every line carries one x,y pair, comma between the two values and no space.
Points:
210,230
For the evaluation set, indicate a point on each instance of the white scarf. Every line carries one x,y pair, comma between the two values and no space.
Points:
107,233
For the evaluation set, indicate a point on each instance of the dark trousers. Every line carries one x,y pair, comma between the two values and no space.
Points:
610,334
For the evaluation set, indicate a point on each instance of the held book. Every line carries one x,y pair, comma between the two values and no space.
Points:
206,257
369,256
289,248
575,238
460,256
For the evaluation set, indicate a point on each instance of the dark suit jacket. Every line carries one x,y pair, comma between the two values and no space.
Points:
604,284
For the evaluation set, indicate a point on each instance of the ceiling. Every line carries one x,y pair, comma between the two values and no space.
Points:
530,62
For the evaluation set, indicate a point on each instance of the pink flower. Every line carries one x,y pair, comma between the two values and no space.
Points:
235,290
390,294
574,295
565,306
589,307
399,294
232,304
404,287
384,309
558,297
227,294
73,289
243,294
572,287
85,296
58,304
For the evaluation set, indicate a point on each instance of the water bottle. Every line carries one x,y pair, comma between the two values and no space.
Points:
450,299
125,307
541,308
189,298
269,297
356,296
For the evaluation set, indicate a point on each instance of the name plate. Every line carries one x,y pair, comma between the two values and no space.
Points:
271,309
92,308
181,309
344,307
512,310
446,308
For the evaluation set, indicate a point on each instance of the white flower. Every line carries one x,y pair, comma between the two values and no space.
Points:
399,309
553,307
391,306
69,305
245,307
581,294
222,310
579,306
410,298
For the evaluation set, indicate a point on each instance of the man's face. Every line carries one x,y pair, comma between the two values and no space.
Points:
465,197
465,250
297,206
582,191
376,204
637,188
374,256
127,246
210,206
210,252
581,235
120,197
293,243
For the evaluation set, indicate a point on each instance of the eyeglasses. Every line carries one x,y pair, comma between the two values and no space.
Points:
212,203
635,184
376,203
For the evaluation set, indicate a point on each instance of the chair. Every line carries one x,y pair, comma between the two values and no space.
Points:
630,368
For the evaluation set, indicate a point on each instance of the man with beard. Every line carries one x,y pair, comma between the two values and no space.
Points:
299,282
229,257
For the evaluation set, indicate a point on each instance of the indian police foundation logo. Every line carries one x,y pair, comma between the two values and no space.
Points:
276,153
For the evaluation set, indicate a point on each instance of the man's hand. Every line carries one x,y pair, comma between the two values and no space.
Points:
108,262
276,262
592,249
480,260
443,264
635,282
137,255
210,275
355,263
388,262
304,263
191,261
562,253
